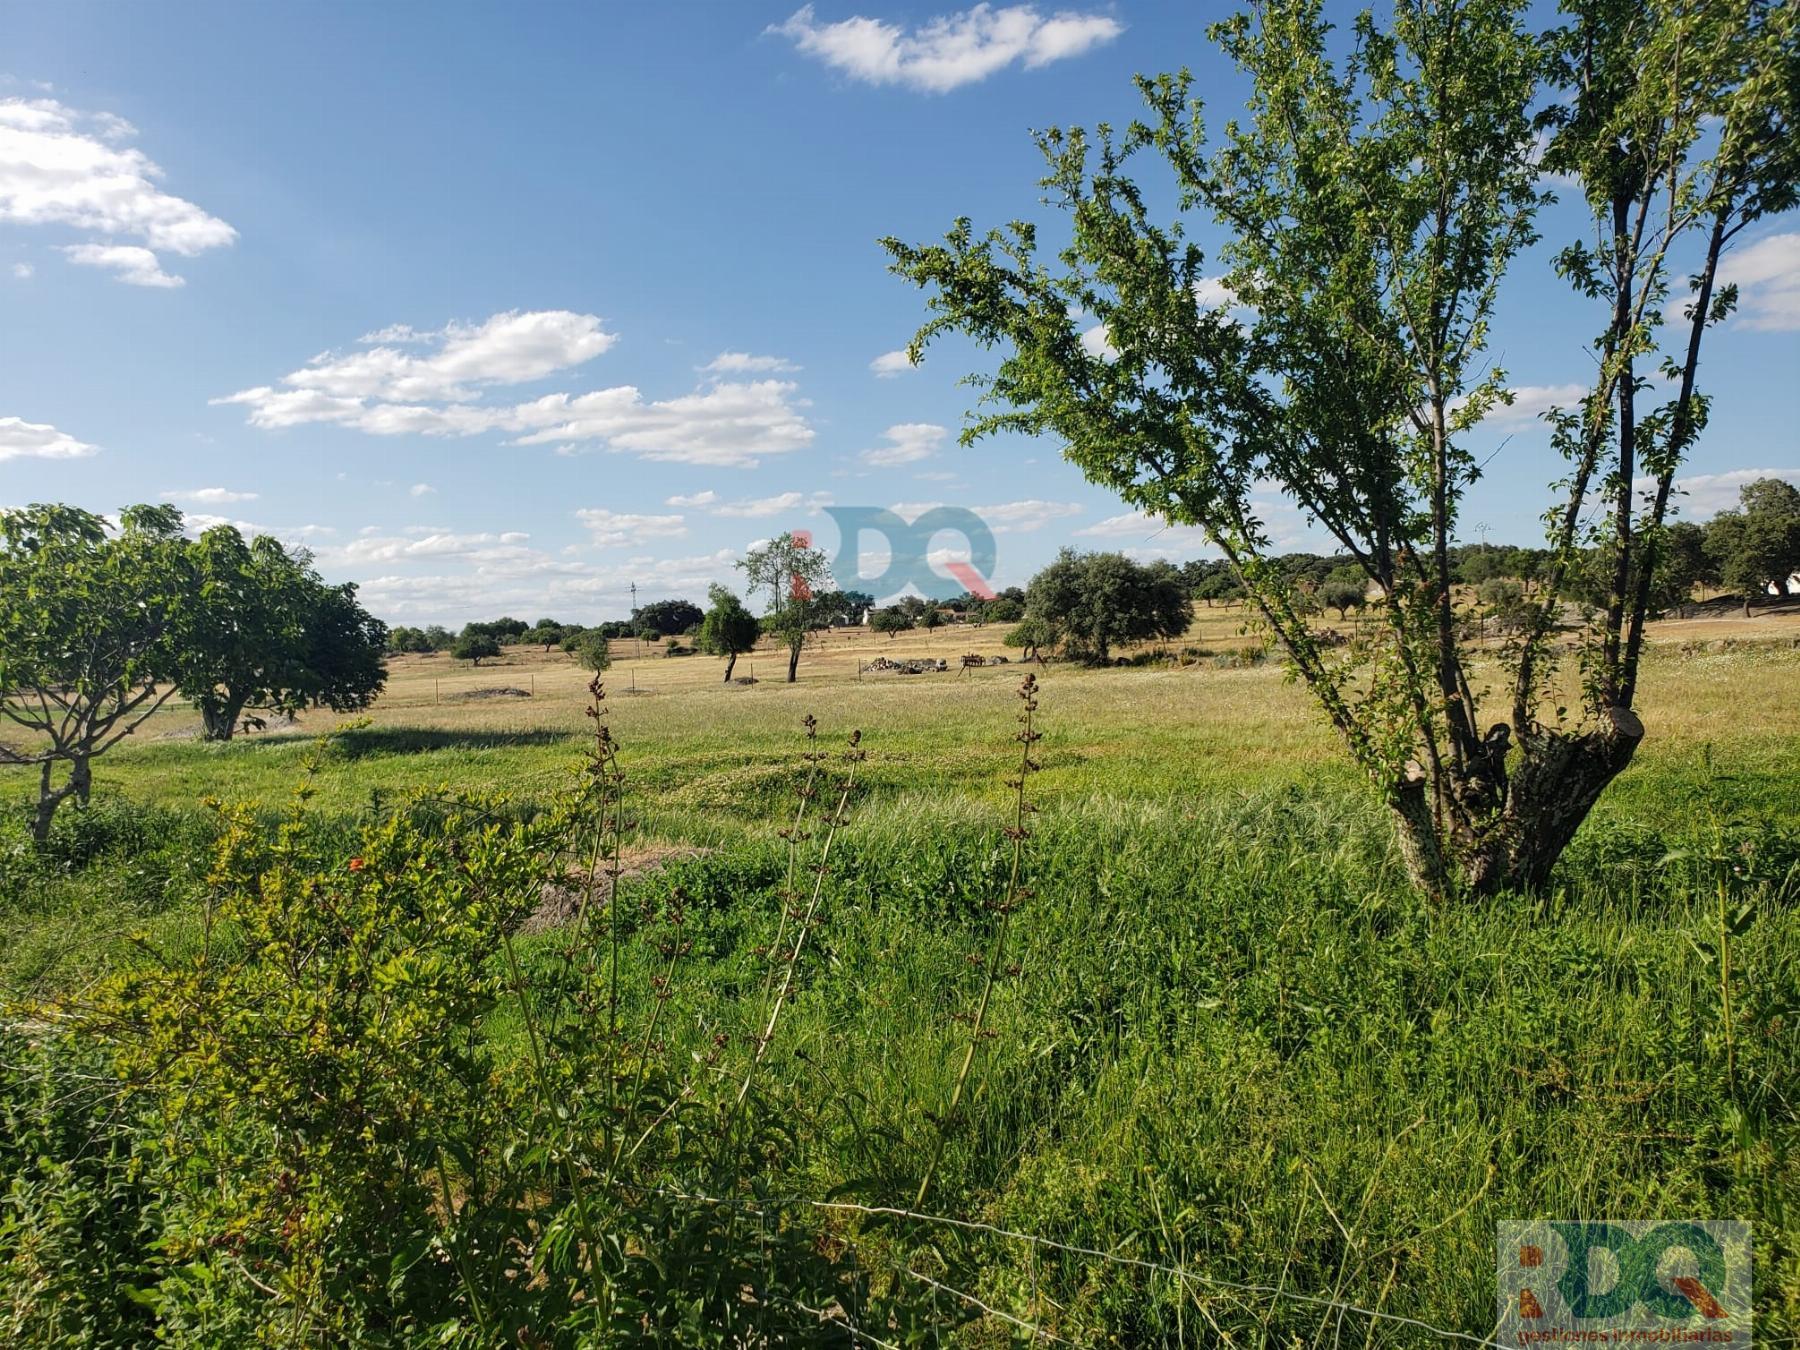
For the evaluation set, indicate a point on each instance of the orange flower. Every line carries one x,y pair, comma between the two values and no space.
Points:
357,864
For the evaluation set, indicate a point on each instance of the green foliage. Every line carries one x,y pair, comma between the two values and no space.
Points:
1090,603
593,652
262,631
1213,1036
1344,595
475,648
1758,545
304,1128
727,629
404,639
668,617
1371,202
789,575
891,620
1033,634
88,624
502,630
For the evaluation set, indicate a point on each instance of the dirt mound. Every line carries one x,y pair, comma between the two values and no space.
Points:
560,901
497,691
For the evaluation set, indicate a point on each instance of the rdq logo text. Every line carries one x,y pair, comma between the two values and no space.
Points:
1623,1282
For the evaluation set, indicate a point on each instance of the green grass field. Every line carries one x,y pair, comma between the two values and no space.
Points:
1235,1045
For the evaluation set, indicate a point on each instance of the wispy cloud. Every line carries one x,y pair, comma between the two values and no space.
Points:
743,363
209,496
948,52
612,528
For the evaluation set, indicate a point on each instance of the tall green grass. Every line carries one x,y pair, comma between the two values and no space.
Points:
1226,1040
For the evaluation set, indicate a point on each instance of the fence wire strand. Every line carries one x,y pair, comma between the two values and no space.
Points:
1092,1253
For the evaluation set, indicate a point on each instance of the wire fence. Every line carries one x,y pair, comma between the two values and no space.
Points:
1183,1276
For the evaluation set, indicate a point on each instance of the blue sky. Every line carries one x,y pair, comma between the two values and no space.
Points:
502,308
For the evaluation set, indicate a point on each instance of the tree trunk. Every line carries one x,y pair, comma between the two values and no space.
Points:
49,799
730,665
81,779
1508,835
221,718
793,661
1417,834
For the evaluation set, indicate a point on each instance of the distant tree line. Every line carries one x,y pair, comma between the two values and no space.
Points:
100,625
1087,604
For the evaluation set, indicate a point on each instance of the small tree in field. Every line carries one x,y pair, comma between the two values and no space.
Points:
789,574
728,630
593,651
1343,595
1372,199
265,632
475,648
891,621
1031,635
86,623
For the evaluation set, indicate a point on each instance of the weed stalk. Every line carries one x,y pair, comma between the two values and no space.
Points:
1018,832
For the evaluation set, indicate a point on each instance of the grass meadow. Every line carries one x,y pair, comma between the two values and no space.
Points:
1236,1085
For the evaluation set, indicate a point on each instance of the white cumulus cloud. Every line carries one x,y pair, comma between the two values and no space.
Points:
1701,496
1530,403
20,439
59,166
890,364
1767,275
444,385
131,264
909,443
950,51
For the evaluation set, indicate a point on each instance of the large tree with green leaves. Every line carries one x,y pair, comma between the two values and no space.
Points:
264,632
1371,200
1758,545
87,617
1093,602
789,573
728,629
